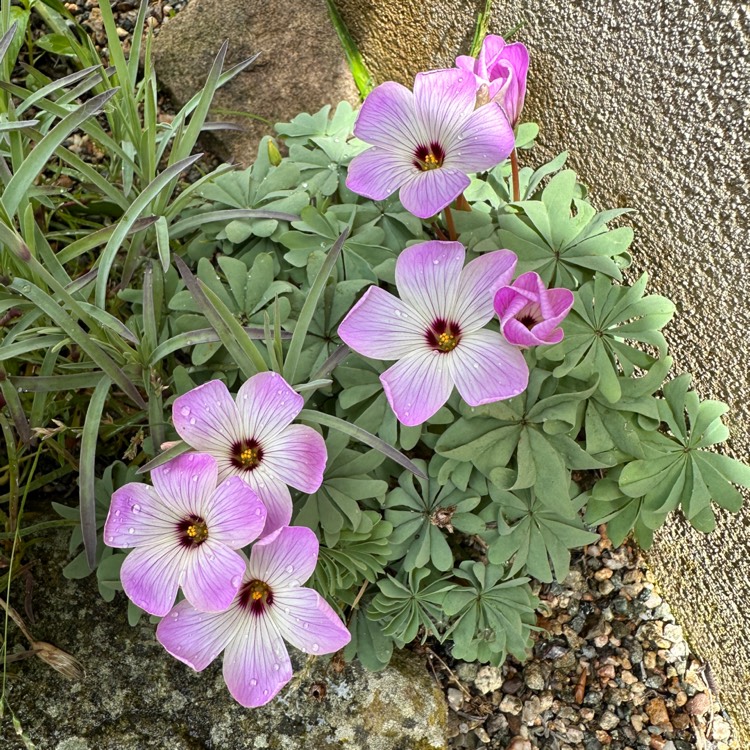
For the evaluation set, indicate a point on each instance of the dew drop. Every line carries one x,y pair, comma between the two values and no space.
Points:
110,538
253,681
277,667
336,140
192,420
185,411
304,185
435,262
117,512
290,568
316,647
257,511
175,615
194,477
306,626
265,692
476,365
136,508
236,581
131,530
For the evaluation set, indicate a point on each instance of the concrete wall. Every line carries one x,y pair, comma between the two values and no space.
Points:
651,98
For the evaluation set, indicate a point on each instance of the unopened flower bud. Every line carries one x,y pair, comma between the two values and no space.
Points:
274,155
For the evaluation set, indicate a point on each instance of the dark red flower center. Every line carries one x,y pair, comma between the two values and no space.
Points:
530,315
192,531
443,336
255,596
429,157
247,454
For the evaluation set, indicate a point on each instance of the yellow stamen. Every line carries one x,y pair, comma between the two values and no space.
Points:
257,595
447,342
250,457
431,161
198,532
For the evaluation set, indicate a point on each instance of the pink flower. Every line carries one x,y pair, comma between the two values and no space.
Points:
426,142
272,606
185,531
436,331
254,439
503,67
530,313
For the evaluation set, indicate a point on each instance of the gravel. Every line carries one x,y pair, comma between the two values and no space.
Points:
610,670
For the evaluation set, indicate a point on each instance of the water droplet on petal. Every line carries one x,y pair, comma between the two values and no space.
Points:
265,692
194,477
131,530
185,411
436,262
290,568
257,511
175,615
117,512
277,667
253,681
110,538
192,420
136,508
316,647
236,581
306,626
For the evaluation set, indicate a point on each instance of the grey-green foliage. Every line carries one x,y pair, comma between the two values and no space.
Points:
247,270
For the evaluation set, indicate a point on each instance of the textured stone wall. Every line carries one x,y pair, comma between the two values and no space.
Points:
651,99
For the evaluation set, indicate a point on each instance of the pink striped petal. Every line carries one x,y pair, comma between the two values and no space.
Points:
479,281
137,515
207,419
308,622
486,140
427,278
444,100
273,493
418,385
485,368
427,193
297,456
376,173
381,326
186,483
234,514
197,638
256,662
213,576
387,119
285,559
267,404
150,576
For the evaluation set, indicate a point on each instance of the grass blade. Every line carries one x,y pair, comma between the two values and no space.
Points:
481,28
137,207
37,159
244,353
308,309
15,407
56,313
359,70
87,474
347,428
180,228
162,458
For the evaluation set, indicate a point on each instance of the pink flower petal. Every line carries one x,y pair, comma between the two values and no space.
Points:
273,493
213,576
387,119
444,100
185,483
480,280
418,385
381,326
285,559
427,277
207,419
234,514
486,140
308,622
297,456
267,404
376,173
485,368
427,193
197,638
137,515
256,662
150,576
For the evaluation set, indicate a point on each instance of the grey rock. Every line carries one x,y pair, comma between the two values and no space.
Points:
301,65
135,696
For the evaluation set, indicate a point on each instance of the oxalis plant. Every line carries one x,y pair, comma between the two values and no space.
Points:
366,391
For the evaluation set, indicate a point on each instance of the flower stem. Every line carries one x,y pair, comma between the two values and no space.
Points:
514,175
452,236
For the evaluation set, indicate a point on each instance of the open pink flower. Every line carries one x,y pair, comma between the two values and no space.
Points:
185,531
254,438
503,67
436,331
426,141
530,313
272,606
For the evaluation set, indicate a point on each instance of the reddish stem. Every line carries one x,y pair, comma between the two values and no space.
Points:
514,175
452,236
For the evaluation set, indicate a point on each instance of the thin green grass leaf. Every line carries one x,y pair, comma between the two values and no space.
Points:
162,458
181,228
87,475
480,28
360,73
